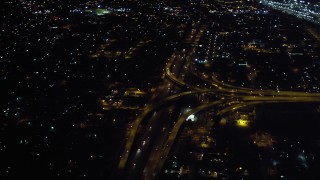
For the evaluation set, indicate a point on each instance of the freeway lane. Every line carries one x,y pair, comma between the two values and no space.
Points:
226,87
268,92
164,92
253,101
158,159
142,116
178,65
155,164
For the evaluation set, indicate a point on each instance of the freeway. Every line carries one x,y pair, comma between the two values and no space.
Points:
134,127
156,162
180,63
252,101
164,90
223,87
154,165
158,159
266,92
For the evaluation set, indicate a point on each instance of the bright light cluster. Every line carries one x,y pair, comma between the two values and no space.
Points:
299,8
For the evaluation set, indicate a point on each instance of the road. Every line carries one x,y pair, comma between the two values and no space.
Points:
131,159
158,159
144,155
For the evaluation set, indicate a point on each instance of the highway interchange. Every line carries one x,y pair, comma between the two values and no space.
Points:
152,134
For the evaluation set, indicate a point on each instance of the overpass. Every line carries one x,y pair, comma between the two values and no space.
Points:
233,96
